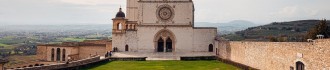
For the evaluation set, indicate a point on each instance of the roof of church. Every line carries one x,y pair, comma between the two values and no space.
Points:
120,13
73,44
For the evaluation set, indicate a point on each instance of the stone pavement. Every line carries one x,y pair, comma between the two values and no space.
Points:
161,55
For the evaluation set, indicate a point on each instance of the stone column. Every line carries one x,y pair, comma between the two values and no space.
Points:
2,64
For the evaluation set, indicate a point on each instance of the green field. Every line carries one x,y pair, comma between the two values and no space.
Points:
72,39
6,46
162,65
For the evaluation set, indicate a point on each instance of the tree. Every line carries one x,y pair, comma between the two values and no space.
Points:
320,28
272,39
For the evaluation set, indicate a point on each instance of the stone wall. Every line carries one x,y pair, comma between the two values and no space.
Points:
74,50
278,55
87,51
108,43
63,66
183,12
202,38
68,51
42,52
1,66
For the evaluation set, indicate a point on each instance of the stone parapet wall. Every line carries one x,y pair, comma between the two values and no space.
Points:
63,65
278,55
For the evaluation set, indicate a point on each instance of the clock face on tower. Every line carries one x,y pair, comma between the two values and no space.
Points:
165,13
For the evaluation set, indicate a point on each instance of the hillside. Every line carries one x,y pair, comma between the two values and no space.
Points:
290,31
229,27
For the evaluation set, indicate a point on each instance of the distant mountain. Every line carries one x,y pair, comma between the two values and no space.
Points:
227,28
56,28
291,31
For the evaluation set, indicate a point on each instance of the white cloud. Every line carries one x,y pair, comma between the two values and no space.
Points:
295,11
312,12
288,11
93,2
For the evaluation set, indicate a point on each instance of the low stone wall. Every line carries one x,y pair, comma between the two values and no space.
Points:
239,65
278,55
191,58
128,58
72,64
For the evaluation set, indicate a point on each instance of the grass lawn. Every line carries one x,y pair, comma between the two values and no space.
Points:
163,65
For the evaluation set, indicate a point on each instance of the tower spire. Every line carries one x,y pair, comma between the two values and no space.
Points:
120,8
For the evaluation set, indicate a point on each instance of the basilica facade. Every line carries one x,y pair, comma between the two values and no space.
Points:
160,26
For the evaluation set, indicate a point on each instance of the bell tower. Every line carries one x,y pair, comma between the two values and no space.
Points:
132,10
119,23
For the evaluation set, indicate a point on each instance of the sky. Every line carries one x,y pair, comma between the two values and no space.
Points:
53,12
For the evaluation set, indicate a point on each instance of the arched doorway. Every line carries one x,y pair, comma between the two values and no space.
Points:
58,54
126,48
300,66
168,45
160,46
210,48
63,55
164,41
52,54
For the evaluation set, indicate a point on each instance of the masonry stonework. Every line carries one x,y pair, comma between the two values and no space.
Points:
70,51
160,26
278,55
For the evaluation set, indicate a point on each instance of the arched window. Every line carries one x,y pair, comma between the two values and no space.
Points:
210,48
63,55
160,45
52,54
168,45
58,54
119,26
126,48
216,51
300,66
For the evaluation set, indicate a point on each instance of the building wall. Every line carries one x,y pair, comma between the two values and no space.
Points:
132,10
69,51
278,55
186,37
1,66
183,12
108,43
109,46
42,52
87,51
203,38
183,38
128,38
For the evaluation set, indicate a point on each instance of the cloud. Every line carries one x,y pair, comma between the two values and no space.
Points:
312,12
295,11
93,2
288,11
